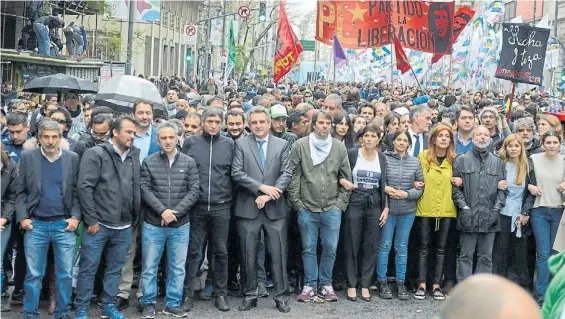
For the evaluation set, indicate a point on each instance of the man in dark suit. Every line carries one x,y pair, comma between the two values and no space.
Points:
261,167
420,124
47,203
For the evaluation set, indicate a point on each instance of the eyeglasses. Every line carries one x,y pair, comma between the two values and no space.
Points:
99,135
60,121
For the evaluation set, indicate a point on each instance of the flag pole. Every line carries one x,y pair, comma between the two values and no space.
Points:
415,77
391,63
509,112
315,65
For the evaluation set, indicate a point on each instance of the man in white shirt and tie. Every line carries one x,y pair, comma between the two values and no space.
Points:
420,123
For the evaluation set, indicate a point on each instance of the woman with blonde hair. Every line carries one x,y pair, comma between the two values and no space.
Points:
510,251
548,122
436,210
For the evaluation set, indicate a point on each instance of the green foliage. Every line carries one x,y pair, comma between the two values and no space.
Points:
241,58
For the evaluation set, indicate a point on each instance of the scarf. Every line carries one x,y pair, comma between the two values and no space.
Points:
319,149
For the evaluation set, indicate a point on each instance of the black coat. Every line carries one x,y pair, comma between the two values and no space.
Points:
8,191
479,192
100,187
28,190
213,156
169,187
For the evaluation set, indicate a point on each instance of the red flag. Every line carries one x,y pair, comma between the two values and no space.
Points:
401,59
460,21
289,48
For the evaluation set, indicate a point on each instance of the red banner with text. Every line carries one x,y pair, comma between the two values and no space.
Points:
288,47
419,25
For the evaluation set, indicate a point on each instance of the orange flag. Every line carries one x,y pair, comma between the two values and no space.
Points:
401,59
289,48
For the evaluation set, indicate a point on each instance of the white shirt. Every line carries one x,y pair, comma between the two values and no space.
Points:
264,146
412,136
172,159
56,157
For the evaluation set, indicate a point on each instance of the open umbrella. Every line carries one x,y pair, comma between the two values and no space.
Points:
122,91
59,84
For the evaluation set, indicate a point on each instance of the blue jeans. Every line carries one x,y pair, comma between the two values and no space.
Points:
42,35
545,222
4,238
153,241
36,243
326,225
402,225
117,242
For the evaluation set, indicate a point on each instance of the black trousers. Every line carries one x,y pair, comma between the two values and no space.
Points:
275,231
20,265
432,236
233,250
451,253
510,254
217,224
361,238
295,264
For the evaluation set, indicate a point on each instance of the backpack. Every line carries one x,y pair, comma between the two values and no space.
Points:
38,9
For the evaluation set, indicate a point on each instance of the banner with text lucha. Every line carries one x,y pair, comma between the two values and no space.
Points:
419,25
288,47
523,53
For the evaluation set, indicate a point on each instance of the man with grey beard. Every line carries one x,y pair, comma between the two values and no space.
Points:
479,201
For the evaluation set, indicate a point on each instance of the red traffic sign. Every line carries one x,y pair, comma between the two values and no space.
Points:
190,30
244,11
223,53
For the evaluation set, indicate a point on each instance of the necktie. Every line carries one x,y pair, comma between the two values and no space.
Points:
417,145
261,153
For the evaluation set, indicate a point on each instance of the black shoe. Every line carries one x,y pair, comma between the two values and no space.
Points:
139,306
299,284
262,291
5,304
234,289
122,303
282,306
247,304
402,292
352,298
338,285
174,312
148,312
188,304
17,297
135,282
384,290
367,299
222,303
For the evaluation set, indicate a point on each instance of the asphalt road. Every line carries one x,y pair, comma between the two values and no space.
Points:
266,309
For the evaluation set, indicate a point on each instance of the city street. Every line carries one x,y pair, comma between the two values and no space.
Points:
266,309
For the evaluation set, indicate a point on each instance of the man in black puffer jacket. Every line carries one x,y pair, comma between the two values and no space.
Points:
213,154
169,188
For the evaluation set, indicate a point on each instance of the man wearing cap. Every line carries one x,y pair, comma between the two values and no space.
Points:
278,124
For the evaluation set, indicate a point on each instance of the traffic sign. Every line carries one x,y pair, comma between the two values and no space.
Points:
244,12
224,55
190,33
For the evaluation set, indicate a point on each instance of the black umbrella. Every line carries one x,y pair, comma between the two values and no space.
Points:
59,84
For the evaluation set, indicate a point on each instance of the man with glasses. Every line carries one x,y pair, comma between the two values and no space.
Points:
489,117
99,128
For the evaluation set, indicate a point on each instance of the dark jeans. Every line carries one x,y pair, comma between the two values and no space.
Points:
217,224
37,243
116,242
432,231
545,222
482,243
361,237
510,254
4,238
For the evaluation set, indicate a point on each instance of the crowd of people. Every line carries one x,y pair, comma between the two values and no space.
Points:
377,189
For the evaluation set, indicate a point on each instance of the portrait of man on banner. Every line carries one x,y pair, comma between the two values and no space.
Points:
460,20
439,24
